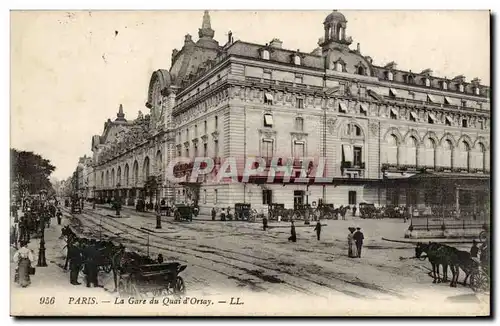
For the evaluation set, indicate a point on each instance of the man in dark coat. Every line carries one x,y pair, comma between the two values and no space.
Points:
474,250
318,230
359,237
213,213
75,262
91,255
59,216
293,236
264,223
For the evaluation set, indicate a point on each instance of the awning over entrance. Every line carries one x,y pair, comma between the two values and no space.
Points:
393,92
414,115
431,99
363,107
394,111
342,107
269,97
449,119
450,101
432,117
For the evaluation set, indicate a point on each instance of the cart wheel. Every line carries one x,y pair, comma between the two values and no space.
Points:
483,236
179,287
479,282
106,268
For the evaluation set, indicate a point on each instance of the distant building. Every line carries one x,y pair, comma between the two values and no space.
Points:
390,136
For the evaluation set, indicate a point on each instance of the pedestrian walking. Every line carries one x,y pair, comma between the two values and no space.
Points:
264,223
24,259
474,250
352,251
318,230
159,259
75,262
59,216
354,209
359,237
293,236
214,213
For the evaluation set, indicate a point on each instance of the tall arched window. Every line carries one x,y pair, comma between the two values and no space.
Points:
360,70
430,152
159,163
112,178
145,169
135,173
447,153
392,150
102,179
480,157
411,151
107,179
126,175
463,156
119,175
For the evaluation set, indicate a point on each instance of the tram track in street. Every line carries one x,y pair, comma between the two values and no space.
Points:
225,254
253,286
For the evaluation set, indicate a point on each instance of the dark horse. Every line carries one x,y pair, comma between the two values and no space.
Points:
431,249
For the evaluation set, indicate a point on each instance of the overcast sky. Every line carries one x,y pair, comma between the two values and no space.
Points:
70,71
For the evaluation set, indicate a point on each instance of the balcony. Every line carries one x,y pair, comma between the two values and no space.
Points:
348,165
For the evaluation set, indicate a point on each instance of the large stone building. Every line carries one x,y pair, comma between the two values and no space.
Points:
389,136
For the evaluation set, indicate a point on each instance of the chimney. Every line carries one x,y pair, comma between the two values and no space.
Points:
230,37
276,43
188,39
358,48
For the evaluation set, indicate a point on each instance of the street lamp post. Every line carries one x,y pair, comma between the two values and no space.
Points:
42,262
93,197
118,203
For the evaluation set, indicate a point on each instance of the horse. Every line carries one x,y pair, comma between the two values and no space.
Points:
431,249
450,256
461,260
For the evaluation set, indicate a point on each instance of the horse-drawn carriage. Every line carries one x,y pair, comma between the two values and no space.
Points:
183,212
157,279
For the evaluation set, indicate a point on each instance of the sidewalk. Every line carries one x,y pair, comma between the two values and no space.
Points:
53,278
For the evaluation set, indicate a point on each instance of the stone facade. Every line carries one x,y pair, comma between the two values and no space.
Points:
370,122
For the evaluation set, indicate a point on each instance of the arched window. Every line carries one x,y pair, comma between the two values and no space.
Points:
447,153
107,179
411,80
391,150
353,130
476,90
102,179
463,155
480,161
112,178
390,75
126,175
360,70
119,175
265,54
411,151
159,162
145,169
339,66
461,88
427,82
296,60
429,152
135,173
339,32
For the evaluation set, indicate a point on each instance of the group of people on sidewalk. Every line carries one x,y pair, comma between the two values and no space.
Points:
81,253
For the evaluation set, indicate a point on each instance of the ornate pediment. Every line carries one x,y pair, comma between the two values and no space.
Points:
204,138
298,135
186,144
269,133
195,140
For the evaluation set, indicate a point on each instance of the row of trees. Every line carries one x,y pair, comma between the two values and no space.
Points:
31,172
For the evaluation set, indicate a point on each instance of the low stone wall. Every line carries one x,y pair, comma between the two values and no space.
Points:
446,234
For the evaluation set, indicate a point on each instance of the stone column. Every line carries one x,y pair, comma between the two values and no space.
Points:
457,202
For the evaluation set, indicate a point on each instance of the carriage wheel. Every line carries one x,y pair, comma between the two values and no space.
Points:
480,282
483,236
179,286
106,268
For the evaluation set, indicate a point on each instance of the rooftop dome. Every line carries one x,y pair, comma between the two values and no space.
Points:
335,16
